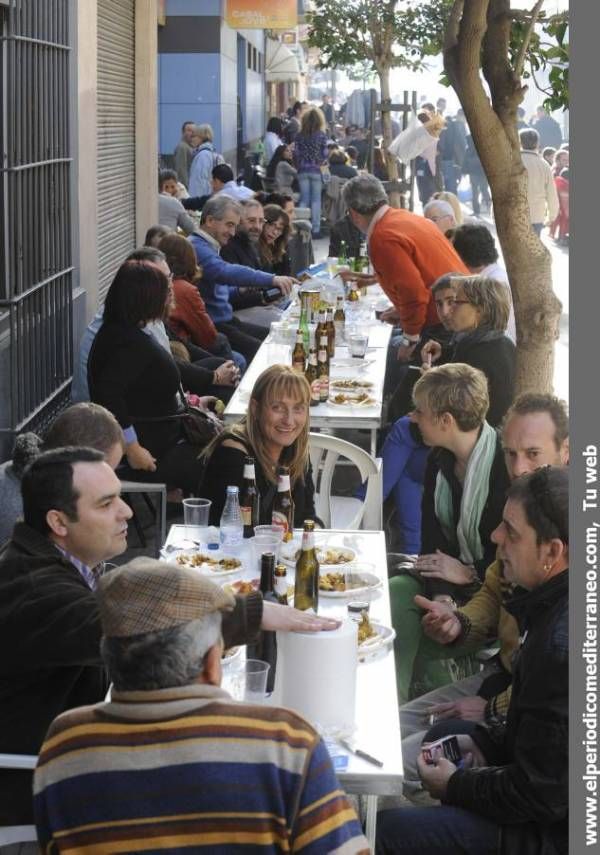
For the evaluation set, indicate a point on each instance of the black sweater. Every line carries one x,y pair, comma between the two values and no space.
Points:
131,375
497,360
432,534
226,467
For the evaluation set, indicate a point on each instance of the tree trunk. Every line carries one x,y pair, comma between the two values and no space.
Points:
482,28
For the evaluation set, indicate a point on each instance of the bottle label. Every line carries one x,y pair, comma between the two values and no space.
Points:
249,473
308,540
323,388
280,520
283,483
315,390
246,515
281,586
298,366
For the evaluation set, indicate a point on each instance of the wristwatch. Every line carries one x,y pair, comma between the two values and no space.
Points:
407,342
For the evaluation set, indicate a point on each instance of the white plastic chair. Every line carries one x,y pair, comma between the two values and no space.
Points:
10,834
341,511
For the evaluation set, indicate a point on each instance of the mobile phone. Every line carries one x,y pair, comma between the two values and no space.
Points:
446,747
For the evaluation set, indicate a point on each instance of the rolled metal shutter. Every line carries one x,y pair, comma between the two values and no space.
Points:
116,137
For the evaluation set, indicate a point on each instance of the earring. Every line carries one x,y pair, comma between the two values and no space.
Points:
547,567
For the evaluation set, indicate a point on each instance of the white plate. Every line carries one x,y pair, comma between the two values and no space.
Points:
205,568
371,581
288,553
350,362
384,639
362,405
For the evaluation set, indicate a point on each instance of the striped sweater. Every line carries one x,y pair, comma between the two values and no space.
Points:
188,769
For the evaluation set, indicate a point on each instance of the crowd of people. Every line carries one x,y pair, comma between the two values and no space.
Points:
475,477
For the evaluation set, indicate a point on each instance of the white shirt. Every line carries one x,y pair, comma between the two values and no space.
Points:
541,190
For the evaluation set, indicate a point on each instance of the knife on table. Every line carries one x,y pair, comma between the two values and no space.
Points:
362,754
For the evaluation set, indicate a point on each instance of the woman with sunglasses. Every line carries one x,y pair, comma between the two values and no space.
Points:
464,488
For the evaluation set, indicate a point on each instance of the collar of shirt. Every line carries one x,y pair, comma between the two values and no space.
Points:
210,239
87,573
375,219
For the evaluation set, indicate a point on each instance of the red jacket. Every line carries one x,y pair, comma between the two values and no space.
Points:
409,253
189,319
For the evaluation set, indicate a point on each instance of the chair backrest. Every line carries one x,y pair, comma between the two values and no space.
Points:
12,834
325,452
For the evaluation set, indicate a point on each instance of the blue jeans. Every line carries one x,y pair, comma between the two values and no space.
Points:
404,462
311,187
451,173
440,830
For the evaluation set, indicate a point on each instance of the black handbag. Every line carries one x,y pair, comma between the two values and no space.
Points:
199,427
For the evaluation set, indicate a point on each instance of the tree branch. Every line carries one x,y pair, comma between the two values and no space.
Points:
520,61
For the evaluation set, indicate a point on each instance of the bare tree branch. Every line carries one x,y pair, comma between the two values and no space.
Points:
520,61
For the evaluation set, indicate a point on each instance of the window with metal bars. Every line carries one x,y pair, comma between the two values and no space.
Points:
35,210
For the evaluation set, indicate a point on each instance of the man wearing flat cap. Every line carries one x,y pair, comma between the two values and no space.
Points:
74,521
171,761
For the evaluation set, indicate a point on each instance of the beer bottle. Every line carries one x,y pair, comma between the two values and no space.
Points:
312,377
305,303
306,589
283,506
364,257
265,648
281,584
353,295
299,354
323,369
343,254
321,327
249,499
339,320
330,333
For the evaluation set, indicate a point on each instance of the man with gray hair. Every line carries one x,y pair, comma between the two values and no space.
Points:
441,213
408,254
219,221
171,757
541,190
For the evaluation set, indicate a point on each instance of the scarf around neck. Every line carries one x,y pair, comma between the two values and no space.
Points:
476,489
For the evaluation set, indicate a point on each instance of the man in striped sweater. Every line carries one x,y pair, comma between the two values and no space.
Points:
171,762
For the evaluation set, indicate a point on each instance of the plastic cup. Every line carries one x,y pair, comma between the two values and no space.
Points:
268,529
266,543
195,518
255,681
358,344
332,265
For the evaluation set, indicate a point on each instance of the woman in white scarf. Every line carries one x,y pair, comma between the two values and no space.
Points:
463,497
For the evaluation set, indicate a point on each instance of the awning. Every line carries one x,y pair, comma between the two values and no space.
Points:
281,64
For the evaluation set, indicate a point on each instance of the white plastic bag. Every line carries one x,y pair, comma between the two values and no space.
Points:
412,141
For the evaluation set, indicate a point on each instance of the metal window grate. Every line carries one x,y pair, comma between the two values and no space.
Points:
35,210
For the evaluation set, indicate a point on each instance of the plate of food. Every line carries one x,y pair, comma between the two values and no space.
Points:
373,637
351,583
352,399
213,564
326,555
349,384
241,586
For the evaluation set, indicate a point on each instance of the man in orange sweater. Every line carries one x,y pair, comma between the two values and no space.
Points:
408,254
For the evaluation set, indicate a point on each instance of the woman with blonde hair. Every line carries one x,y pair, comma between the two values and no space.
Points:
275,433
272,244
310,154
452,199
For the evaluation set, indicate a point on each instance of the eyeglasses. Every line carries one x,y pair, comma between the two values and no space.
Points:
460,302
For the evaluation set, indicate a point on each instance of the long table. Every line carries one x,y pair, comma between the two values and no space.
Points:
327,415
377,720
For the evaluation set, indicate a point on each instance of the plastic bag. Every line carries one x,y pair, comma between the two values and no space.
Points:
412,141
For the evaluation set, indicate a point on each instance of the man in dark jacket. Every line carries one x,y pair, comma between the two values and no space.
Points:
75,520
510,794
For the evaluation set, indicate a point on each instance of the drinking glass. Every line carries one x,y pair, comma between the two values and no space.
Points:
332,265
195,518
358,344
255,682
